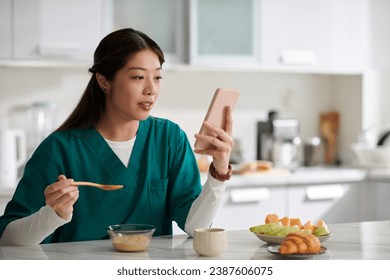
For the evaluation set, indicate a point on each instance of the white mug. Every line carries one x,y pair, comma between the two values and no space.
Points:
210,242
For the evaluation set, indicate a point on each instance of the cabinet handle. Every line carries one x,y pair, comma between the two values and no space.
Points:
249,195
59,49
324,192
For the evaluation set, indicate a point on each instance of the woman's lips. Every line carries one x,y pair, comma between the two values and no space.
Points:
147,105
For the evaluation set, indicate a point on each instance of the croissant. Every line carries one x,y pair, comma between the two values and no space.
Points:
300,243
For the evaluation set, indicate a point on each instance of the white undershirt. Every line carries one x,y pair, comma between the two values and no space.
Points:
33,229
122,149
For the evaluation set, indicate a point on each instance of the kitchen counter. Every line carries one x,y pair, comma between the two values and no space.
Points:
379,175
301,176
350,241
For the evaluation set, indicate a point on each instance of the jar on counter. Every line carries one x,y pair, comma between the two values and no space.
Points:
313,152
285,152
42,120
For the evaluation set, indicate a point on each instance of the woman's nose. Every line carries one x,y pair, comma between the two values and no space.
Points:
150,88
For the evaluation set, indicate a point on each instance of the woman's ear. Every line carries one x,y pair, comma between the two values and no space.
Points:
103,83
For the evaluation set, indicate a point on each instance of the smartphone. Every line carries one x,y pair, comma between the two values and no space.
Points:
216,113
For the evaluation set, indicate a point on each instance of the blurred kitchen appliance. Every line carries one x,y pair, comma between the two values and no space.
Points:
37,120
264,137
13,154
42,119
278,141
236,154
313,152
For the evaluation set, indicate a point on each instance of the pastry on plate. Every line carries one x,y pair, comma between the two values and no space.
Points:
300,243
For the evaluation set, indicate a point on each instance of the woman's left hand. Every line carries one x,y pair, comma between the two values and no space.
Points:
222,143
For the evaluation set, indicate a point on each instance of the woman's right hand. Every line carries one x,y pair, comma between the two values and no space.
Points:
61,196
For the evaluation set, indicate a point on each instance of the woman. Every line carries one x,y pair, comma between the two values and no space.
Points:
111,138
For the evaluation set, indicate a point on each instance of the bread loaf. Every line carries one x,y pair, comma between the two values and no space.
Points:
300,243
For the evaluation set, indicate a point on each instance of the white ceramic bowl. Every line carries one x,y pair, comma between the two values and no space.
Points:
378,157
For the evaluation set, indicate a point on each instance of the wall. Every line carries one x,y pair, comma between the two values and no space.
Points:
186,93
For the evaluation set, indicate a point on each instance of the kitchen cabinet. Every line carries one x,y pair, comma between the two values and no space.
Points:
381,201
375,195
164,21
334,203
224,31
376,198
5,29
330,35
331,194
195,31
52,30
268,34
325,35
247,206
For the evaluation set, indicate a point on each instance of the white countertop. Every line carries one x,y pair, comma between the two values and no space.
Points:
302,176
350,241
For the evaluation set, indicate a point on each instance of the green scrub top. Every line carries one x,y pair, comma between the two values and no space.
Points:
160,183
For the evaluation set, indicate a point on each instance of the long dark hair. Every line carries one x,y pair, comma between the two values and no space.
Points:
112,54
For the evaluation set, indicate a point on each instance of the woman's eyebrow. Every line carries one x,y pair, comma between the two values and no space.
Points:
141,68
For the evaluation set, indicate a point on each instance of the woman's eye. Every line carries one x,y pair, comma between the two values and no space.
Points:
138,77
159,78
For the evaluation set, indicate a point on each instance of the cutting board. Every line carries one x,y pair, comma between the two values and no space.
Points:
329,128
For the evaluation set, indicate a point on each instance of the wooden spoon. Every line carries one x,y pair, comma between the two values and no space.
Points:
100,186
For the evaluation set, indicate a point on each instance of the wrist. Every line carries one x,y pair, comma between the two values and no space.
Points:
220,176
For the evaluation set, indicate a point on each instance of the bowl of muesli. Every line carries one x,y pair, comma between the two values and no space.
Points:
131,237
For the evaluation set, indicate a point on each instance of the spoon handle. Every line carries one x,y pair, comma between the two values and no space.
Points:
101,186
80,183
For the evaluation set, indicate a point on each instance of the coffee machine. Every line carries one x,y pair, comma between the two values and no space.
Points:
278,141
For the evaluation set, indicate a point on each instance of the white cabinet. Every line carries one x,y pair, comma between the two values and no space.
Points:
376,196
163,21
247,206
5,29
334,195
381,201
334,203
195,31
329,35
62,29
224,31
295,32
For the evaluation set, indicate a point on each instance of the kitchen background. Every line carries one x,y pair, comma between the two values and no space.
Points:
300,57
